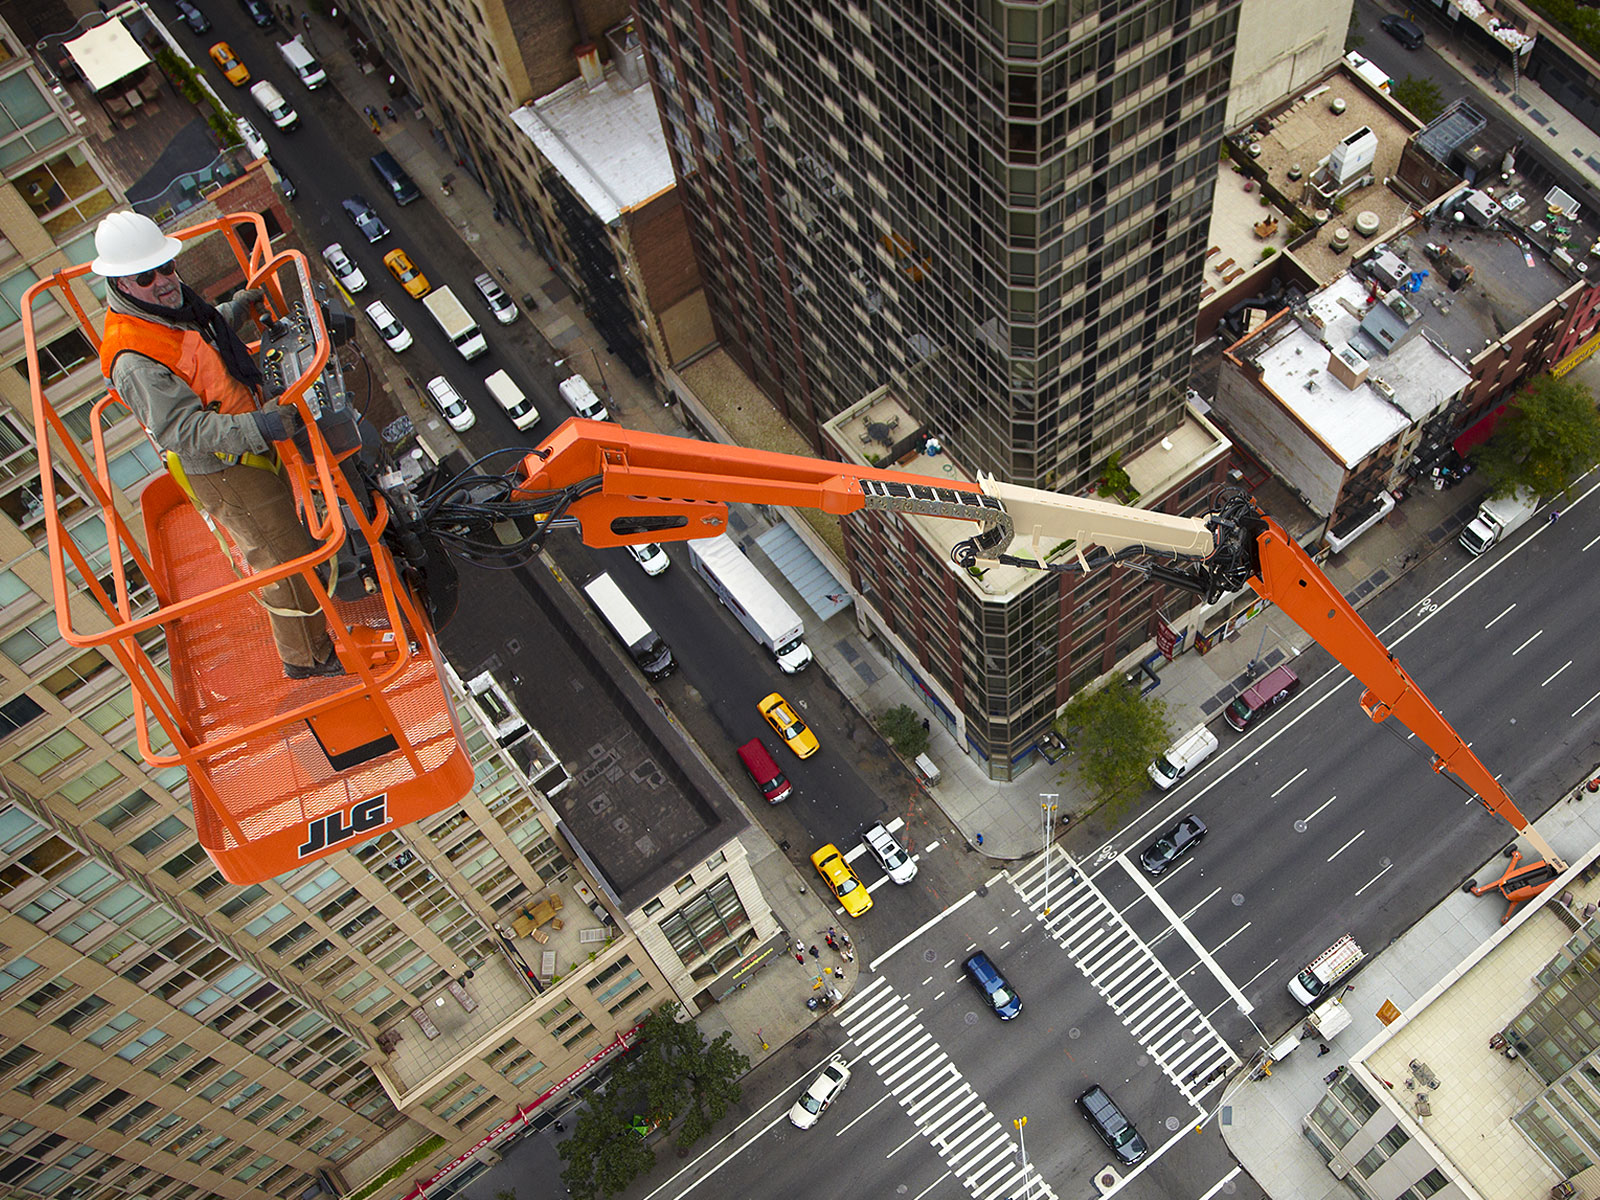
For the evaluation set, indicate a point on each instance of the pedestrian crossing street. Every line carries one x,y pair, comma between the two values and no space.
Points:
1143,994
974,1143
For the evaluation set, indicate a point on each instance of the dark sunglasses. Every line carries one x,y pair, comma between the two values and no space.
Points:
146,278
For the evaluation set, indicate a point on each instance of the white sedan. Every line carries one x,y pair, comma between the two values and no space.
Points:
897,864
345,271
394,334
824,1090
456,412
651,557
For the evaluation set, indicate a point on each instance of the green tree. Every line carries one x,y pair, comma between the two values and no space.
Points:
1421,97
903,727
604,1155
1548,435
1114,733
679,1074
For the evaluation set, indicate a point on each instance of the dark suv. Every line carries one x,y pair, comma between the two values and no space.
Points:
1172,845
366,218
1408,33
1114,1128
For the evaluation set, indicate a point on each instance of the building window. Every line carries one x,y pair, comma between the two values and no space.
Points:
685,884
709,926
652,907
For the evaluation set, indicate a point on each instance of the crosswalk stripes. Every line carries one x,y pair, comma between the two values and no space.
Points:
1143,994
971,1140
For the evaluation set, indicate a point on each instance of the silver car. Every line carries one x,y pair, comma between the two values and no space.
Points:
394,334
345,271
503,307
451,406
824,1090
897,864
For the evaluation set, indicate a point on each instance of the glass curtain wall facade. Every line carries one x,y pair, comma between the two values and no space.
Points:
999,209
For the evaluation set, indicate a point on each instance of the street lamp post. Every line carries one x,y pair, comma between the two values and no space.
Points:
1027,1177
1047,810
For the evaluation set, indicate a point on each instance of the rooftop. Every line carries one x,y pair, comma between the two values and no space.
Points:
881,427
1304,131
1479,1090
605,141
1294,360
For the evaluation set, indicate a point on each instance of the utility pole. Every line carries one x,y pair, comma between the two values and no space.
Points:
1048,810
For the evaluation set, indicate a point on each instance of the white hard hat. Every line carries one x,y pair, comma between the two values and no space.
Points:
129,242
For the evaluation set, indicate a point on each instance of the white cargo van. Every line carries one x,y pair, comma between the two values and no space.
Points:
509,396
1326,971
1187,753
270,100
302,63
580,397
644,644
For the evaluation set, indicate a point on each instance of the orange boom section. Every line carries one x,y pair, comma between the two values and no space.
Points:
280,772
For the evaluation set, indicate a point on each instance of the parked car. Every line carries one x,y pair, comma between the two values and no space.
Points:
897,864
345,271
997,993
366,218
450,404
764,772
260,12
228,63
251,136
503,307
1167,849
846,884
405,271
651,557
1262,696
193,17
389,328
787,724
824,1090
286,186
1408,33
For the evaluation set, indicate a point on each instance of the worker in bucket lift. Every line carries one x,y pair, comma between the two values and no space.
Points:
176,361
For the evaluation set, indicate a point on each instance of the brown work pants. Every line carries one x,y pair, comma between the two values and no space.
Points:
256,507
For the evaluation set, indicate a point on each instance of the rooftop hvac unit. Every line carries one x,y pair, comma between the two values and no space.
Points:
1353,156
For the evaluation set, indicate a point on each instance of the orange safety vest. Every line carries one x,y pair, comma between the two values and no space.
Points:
185,352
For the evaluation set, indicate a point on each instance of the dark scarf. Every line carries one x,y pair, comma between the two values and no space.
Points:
196,312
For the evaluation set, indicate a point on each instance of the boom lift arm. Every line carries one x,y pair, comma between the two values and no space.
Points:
624,487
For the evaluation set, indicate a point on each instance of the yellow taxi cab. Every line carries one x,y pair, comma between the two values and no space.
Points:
404,270
228,63
846,885
787,725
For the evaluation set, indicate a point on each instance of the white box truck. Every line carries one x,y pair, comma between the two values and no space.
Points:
302,63
1498,519
765,615
1187,753
456,322
645,645
580,398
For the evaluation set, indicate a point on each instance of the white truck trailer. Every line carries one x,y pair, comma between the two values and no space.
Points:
765,615
456,322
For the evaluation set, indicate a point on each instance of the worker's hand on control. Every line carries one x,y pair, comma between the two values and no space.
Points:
250,295
278,423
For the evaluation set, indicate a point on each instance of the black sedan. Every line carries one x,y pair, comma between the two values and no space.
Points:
1160,854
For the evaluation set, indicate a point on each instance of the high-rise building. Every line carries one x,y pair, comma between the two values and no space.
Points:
162,1033
997,211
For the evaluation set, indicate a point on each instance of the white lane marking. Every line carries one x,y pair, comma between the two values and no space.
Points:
1297,775
1591,542
1322,806
1374,879
1347,845
1526,644
1559,669
1586,704
916,933
1503,612
884,1099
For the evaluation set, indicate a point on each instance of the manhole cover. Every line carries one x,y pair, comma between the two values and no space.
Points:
929,955
1074,1033
1238,899
972,1018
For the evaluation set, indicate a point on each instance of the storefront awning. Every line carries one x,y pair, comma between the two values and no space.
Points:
106,55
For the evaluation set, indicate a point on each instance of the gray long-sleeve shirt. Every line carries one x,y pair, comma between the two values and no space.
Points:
169,408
